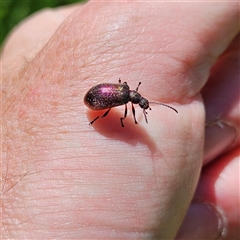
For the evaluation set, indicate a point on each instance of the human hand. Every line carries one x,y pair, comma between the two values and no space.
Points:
66,179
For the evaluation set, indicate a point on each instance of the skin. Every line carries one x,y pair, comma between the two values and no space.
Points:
62,178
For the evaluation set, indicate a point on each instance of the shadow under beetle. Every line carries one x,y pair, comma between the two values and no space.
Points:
109,95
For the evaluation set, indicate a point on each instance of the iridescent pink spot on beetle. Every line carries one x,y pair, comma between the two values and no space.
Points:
109,95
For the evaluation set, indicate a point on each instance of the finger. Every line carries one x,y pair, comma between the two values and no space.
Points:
29,37
215,212
221,96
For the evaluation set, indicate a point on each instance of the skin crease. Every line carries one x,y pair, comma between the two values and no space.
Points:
65,179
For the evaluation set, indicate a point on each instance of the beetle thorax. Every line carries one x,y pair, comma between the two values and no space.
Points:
134,97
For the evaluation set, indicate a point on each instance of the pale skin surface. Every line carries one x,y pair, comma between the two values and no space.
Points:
65,179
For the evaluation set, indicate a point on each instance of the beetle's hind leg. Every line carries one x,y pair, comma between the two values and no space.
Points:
104,115
95,119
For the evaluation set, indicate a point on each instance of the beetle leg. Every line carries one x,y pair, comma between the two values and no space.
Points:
104,115
145,115
93,120
120,82
138,86
134,117
125,115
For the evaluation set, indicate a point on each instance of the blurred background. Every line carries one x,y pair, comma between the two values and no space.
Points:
13,11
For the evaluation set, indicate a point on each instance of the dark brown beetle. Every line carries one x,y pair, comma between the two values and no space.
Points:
109,95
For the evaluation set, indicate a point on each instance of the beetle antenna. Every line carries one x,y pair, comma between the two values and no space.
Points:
165,106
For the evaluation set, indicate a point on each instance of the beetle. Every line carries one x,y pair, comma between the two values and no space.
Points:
109,95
